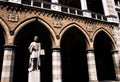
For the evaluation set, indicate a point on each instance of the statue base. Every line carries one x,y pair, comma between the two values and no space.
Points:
34,76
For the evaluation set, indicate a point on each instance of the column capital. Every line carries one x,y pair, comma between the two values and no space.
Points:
56,49
90,50
9,46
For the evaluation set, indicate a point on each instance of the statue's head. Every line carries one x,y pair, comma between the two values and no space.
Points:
36,38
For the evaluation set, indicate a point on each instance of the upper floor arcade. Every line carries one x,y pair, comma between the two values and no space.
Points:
102,10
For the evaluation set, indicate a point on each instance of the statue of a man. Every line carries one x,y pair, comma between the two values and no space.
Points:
34,48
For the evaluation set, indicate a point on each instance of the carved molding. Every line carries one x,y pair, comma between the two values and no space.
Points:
57,23
12,17
89,28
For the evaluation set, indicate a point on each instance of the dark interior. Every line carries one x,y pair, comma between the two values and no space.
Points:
73,55
116,1
95,6
71,3
2,42
103,57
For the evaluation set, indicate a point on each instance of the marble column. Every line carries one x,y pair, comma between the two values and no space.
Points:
56,65
84,8
31,3
83,4
91,66
116,61
8,63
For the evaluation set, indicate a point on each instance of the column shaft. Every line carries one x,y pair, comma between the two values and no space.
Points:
91,66
109,10
83,4
56,65
116,60
8,64
86,13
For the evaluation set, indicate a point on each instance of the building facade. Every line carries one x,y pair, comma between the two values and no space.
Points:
81,39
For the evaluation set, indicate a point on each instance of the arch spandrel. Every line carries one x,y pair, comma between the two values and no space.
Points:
30,20
79,28
113,42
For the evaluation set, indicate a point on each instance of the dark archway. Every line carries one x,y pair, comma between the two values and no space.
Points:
73,55
103,57
2,42
23,40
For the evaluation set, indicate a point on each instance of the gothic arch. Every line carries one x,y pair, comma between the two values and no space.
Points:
32,19
23,33
79,28
109,34
5,30
73,42
104,44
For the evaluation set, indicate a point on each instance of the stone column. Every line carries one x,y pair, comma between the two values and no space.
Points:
83,4
116,60
109,10
55,7
84,8
31,3
91,66
56,65
8,63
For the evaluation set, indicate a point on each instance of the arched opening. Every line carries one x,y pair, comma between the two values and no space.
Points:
23,40
95,6
103,57
2,42
73,55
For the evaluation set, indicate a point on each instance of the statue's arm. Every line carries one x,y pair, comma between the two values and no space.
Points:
39,48
30,48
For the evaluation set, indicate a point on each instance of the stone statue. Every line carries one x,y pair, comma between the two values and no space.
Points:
34,48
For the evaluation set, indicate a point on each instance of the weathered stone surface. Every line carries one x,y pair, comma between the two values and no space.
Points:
34,76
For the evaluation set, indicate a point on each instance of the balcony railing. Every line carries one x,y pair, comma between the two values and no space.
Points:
64,9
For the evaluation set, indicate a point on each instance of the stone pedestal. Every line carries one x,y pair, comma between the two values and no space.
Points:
34,76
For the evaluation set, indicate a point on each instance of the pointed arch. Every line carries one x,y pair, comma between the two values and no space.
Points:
32,19
104,44
74,43
108,34
79,28
24,34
